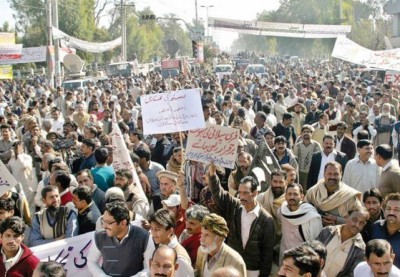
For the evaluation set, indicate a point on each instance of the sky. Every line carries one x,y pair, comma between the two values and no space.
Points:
185,9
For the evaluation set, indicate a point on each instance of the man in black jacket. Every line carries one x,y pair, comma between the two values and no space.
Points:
251,227
320,159
286,129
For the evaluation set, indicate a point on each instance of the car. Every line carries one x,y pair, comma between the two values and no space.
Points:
223,69
257,69
75,84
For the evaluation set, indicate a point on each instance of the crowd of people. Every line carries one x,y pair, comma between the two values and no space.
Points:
329,207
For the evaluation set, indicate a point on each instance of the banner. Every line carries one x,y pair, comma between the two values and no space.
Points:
10,51
121,157
215,143
172,112
349,51
7,38
279,29
93,47
72,253
29,55
6,72
7,181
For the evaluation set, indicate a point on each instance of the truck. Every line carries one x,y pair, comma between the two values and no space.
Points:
174,67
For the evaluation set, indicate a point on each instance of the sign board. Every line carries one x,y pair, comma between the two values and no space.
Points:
10,51
215,143
72,253
29,55
6,72
172,112
392,76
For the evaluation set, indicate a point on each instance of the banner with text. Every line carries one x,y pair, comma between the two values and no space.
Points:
6,72
347,50
213,143
93,47
172,112
10,51
29,55
72,253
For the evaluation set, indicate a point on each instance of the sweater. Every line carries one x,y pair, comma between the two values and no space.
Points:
23,267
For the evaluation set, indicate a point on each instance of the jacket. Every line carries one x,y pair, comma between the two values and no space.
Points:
316,164
348,147
258,252
23,267
356,254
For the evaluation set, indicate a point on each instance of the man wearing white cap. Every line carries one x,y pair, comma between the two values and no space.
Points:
173,204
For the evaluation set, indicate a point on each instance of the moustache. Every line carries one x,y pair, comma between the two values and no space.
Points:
160,275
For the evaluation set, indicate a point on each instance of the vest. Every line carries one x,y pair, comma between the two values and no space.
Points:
126,258
331,117
58,228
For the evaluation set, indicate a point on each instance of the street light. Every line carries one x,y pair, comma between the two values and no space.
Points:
207,7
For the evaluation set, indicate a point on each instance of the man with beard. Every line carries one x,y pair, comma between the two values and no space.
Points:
313,115
213,252
332,198
344,244
379,260
362,173
389,227
168,182
373,202
125,249
283,154
244,161
320,159
190,238
300,221
55,222
304,151
133,197
251,227
17,258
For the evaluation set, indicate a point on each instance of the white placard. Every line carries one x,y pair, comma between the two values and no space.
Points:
10,51
72,253
7,181
215,143
172,112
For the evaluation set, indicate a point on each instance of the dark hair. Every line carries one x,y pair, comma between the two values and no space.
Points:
90,143
360,209
164,218
137,133
5,126
279,139
51,269
63,178
328,137
279,173
379,247
143,152
342,124
126,173
7,204
385,151
373,193
241,112
266,108
363,134
101,155
92,130
197,212
253,182
84,193
363,142
305,259
119,211
47,189
83,171
295,185
392,197
318,247
15,223
335,164
287,116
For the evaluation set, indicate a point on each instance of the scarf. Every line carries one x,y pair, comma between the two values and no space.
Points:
318,196
173,165
270,204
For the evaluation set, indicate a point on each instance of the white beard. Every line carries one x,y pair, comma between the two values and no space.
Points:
209,249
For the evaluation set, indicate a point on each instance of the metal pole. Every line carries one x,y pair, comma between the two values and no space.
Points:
195,8
56,46
50,70
123,30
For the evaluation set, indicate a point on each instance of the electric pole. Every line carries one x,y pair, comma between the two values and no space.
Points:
50,69
56,46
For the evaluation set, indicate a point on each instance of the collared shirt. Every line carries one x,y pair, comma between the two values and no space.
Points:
8,263
389,164
324,160
211,261
247,220
338,252
362,176
339,143
185,266
364,270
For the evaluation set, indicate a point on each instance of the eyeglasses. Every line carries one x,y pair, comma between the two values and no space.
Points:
107,223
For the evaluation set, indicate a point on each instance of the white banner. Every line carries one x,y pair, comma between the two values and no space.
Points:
121,157
215,143
172,112
29,55
347,50
72,253
279,29
93,47
10,51
7,181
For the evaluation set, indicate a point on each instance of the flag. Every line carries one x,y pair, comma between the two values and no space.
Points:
121,157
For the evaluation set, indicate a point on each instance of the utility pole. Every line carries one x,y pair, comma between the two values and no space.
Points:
56,46
195,9
207,7
123,31
50,69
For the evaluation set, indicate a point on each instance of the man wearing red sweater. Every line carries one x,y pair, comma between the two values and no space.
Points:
17,259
